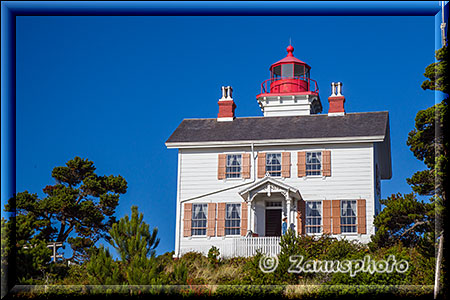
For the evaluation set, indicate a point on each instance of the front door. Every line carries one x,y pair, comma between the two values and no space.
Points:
273,222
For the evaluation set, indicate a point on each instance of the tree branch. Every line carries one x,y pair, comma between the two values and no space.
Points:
417,223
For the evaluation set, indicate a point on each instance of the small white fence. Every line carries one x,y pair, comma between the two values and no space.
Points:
268,245
241,246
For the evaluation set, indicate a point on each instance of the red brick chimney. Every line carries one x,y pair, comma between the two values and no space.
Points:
226,105
336,100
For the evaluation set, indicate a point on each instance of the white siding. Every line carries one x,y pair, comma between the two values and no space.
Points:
352,177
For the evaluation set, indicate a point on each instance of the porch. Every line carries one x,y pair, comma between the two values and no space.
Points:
239,246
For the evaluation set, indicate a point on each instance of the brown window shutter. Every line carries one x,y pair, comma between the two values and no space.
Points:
301,163
246,165
211,230
301,217
286,164
326,163
221,169
326,216
361,215
244,211
261,165
187,219
221,219
336,216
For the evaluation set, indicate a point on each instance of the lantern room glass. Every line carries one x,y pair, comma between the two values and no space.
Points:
299,70
276,73
287,70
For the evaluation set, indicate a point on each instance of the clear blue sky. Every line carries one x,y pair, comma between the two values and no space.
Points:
113,89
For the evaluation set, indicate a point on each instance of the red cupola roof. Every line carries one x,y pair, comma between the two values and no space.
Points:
289,59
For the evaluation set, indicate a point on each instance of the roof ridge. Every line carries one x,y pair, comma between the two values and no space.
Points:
313,115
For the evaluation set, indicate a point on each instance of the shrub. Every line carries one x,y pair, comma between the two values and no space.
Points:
213,256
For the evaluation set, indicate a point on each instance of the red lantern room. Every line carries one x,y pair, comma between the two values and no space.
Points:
289,75
289,91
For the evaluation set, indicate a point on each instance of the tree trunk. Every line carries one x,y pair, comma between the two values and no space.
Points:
438,267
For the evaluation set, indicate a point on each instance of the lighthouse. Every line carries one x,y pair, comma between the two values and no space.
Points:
239,176
289,91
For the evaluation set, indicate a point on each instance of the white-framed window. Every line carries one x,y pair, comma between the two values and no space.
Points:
313,163
273,164
313,217
234,166
348,216
233,219
199,219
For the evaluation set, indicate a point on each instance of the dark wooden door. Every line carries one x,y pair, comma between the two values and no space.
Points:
273,222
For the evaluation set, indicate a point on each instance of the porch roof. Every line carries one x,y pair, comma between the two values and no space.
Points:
269,185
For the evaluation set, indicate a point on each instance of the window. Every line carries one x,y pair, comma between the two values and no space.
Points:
273,204
348,216
276,73
199,219
273,164
313,163
313,217
233,169
287,70
233,219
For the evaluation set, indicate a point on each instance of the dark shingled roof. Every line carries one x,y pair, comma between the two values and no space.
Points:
276,128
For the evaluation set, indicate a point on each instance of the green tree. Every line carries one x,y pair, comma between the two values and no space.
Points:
102,268
429,141
136,244
437,160
404,219
78,209
132,237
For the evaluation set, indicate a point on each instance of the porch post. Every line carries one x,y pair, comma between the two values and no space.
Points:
252,209
288,209
249,213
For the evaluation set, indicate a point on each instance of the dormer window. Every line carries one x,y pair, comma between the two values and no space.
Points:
273,164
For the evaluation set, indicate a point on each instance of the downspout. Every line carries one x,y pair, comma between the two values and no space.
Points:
215,192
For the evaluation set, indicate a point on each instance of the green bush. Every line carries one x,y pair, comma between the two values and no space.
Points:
213,256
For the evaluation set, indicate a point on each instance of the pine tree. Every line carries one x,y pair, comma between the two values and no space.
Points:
136,246
78,209
403,219
132,238
433,150
102,269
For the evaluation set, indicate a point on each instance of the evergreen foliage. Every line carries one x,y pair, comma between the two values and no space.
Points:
132,237
77,209
213,256
404,219
102,269
136,244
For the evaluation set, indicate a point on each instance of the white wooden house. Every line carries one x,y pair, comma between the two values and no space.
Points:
238,177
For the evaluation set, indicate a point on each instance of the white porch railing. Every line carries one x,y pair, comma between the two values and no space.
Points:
240,246
268,245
